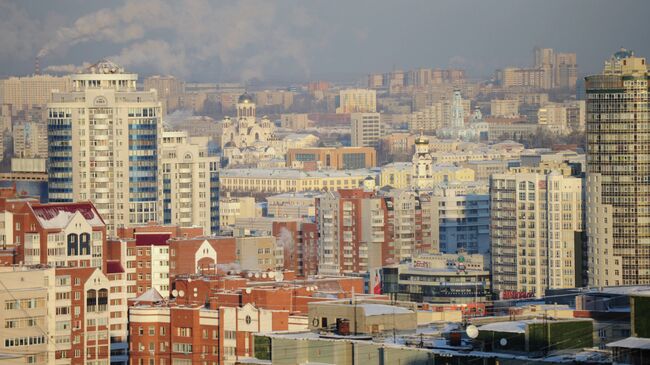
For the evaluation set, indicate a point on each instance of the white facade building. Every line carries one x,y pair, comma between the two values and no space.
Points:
189,177
103,145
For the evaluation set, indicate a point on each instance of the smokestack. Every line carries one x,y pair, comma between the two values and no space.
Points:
37,66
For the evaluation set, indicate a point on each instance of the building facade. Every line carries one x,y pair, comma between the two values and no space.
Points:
190,182
366,129
103,145
618,189
537,229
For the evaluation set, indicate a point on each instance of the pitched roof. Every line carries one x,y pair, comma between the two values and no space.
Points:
151,296
59,215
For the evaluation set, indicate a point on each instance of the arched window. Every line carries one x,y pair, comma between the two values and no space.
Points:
84,244
73,244
91,300
102,300
257,136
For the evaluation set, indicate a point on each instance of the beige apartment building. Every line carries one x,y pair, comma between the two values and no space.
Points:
259,253
103,138
507,108
26,92
357,101
554,117
618,165
30,140
27,315
366,129
170,90
187,174
231,208
536,229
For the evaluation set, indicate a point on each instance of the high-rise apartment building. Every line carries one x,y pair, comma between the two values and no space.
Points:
565,70
30,140
357,101
537,225
366,129
618,169
103,145
26,92
170,90
190,182
459,217
355,231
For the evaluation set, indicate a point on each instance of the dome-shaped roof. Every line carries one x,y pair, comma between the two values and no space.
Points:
421,140
245,98
623,53
105,66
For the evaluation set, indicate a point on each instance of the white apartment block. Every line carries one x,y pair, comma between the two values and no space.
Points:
537,225
366,129
189,178
103,140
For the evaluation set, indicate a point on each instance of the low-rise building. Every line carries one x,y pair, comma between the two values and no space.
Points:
341,158
439,278
272,181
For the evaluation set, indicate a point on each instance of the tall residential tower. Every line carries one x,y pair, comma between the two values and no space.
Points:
103,145
618,172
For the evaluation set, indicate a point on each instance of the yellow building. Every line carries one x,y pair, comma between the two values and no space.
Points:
273,181
357,101
400,174
259,253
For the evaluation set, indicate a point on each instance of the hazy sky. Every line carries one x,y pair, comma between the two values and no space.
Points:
310,39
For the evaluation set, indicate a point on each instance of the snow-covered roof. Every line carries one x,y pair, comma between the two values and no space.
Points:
632,343
150,295
371,309
53,216
513,327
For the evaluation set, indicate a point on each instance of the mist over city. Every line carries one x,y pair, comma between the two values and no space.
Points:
324,182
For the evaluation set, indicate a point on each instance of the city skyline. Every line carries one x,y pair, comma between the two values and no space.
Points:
289,41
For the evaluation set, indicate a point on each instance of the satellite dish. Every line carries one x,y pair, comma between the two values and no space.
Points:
189,280
250,274
279,277
248,290
271,274
175,292
257,275
181,293
472,331
503,342
264,275
196,289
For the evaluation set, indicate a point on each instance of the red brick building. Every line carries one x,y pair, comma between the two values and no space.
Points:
356,231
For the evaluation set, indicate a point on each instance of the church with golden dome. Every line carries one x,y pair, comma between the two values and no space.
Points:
245,140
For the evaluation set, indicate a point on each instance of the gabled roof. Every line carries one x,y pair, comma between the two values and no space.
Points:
150,296
59,215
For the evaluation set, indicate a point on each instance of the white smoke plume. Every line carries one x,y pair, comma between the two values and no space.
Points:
68,69
177,118
285,241
244,38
